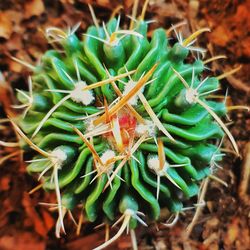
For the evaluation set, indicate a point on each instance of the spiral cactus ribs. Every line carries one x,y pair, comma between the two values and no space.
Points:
121,124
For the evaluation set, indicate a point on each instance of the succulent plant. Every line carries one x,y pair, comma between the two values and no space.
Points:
121,124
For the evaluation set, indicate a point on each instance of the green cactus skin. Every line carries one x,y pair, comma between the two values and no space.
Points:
135,187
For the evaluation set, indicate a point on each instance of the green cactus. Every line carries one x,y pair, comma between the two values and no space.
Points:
121,124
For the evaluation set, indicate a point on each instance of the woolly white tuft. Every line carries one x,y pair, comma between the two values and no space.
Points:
154,164
128,86
149,127
191,95
89,124
58,156
80,95
107,155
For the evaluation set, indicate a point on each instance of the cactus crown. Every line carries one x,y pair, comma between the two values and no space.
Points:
121,124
